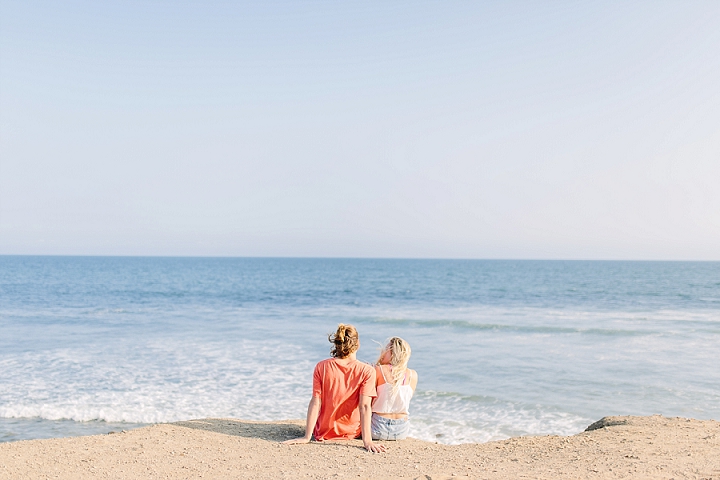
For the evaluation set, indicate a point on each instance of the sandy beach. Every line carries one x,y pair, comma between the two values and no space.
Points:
616,447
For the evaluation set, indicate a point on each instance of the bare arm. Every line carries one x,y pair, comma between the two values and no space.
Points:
312,416
365,416
413,379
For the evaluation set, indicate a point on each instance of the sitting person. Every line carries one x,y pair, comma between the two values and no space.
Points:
395,387
341,384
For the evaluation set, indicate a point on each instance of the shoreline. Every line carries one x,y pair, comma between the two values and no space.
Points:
613,447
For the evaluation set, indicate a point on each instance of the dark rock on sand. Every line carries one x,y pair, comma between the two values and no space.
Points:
606,422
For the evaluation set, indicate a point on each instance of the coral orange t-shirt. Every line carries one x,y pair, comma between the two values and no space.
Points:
339,385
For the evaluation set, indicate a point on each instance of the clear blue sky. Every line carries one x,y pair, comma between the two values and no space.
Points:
363,129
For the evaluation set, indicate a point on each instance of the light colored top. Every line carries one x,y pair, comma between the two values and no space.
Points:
397,402
338,384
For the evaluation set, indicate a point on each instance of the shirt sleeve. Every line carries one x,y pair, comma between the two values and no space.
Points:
317,382
368,386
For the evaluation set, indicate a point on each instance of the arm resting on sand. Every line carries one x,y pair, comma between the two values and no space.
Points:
365,416
312,416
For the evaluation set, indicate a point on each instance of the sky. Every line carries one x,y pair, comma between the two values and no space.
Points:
528,130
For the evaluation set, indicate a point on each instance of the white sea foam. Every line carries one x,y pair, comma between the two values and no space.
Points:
452,418
155,383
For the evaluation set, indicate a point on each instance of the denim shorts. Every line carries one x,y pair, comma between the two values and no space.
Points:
389,429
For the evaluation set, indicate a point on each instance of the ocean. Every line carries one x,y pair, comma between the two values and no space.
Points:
502,348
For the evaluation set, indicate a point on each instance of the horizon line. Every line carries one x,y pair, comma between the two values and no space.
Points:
280,257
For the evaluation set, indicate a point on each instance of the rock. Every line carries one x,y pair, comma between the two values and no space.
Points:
606,422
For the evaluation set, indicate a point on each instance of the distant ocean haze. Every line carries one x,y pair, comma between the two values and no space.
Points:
503,348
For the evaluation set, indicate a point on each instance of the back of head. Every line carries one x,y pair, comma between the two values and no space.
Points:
399,356
345,340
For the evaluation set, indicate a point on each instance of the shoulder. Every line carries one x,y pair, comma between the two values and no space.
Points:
322,364
413,378
365,368
380,372
387,369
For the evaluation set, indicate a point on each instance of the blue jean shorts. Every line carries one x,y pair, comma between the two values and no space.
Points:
389,429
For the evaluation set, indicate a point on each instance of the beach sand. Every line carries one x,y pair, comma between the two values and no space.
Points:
619,447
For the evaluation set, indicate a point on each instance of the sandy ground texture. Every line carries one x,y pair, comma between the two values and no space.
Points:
616,447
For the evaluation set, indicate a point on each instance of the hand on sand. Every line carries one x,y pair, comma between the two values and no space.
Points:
297,440
371,447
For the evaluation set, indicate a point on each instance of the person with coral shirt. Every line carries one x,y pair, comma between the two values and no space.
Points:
343,389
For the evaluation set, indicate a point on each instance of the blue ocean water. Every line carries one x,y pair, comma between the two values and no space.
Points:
502,348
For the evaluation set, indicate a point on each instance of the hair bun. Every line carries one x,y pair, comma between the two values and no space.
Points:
346,341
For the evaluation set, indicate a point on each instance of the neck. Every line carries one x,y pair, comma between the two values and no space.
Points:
349,357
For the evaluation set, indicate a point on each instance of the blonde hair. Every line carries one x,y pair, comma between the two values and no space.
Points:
345,340
399,355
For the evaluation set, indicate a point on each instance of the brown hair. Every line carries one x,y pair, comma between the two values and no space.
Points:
345,341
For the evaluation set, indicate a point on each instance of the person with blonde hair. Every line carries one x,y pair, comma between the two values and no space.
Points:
396,384
343,389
